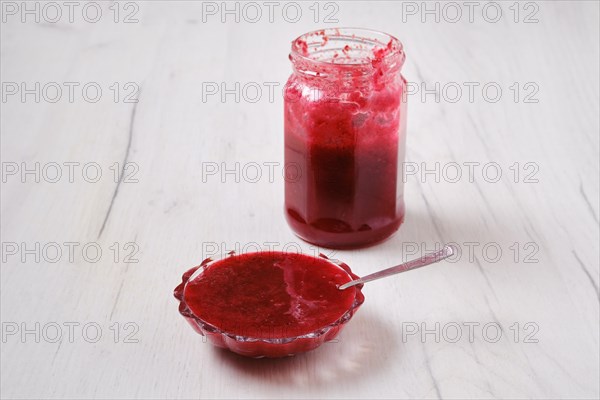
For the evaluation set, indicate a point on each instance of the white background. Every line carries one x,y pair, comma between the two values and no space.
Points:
544,218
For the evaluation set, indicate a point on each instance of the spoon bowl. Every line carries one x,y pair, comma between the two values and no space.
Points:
265,345
285,329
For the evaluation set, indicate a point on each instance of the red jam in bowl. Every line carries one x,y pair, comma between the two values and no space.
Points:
268,304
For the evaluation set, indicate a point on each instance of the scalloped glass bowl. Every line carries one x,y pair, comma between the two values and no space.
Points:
264,347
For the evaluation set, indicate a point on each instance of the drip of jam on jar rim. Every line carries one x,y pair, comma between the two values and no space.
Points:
319,39
270,294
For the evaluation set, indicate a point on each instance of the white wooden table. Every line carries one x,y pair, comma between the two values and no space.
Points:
146,184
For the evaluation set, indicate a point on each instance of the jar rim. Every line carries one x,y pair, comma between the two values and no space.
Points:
375,46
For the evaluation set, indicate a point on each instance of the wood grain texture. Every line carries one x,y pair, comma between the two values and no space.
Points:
176,216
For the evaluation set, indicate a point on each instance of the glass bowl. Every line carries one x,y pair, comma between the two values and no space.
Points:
258,347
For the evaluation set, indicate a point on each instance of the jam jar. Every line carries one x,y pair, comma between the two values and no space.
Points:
345,134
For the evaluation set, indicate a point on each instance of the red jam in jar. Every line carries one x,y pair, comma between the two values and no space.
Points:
268,304
345,129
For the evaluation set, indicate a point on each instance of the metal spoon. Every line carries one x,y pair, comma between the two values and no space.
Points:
427,259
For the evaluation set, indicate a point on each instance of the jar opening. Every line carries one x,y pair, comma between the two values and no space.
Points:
346,48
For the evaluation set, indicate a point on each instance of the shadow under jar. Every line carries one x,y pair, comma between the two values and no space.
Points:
345,130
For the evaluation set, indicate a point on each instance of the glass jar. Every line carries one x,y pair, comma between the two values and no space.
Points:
345,130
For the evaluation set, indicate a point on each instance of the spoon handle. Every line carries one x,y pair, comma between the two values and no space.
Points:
427,259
